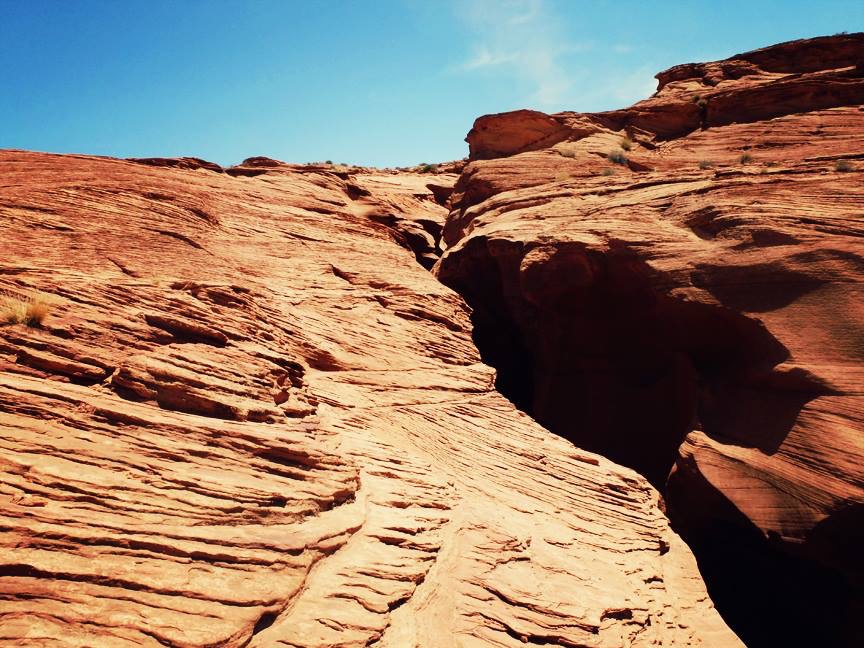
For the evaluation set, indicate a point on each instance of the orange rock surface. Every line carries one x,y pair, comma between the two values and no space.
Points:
678,286
253,419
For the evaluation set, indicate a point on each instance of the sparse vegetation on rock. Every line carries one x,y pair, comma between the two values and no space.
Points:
30,310
569,150
617,157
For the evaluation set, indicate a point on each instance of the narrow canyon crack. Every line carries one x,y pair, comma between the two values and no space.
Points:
589,344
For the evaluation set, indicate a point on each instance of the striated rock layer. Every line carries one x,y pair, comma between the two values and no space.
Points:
253,419
678,286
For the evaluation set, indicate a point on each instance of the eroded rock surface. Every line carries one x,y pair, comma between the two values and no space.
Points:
678,286
255,420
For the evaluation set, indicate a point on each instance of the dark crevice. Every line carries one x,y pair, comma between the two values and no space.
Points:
421,236
609,361
264,621
771,592
591,344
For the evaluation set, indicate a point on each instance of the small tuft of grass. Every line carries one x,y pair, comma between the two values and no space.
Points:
617,157
626,143
30,310
706,164
568,151
843,166
746,158
608,171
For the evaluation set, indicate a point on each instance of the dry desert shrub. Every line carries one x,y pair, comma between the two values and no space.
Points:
31,309
617,157
567,150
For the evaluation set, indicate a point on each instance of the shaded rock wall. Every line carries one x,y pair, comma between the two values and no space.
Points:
694,311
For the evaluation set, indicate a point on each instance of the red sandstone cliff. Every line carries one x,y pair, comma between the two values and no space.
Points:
678,286
255,420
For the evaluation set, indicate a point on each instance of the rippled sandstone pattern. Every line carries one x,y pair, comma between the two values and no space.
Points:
255,420
678,286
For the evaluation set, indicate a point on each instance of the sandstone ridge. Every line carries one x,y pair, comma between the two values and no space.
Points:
678,286
253,419
799,76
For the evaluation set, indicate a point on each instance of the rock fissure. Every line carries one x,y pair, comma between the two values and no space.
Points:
289,436
720,365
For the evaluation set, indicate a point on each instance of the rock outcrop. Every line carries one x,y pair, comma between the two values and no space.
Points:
678,286
253,419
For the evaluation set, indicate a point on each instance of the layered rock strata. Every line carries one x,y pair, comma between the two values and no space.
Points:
678,286
252,419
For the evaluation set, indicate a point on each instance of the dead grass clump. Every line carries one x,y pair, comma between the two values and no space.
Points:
30,310
617,157
568,150
626,143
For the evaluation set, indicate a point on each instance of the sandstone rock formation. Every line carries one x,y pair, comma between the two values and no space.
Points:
678,286
254,419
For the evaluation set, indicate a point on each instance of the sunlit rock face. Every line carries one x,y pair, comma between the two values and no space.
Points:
678,286
252,418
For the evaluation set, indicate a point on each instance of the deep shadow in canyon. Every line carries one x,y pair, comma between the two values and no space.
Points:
773,593
593,347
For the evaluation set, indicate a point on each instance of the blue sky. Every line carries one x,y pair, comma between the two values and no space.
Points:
385,83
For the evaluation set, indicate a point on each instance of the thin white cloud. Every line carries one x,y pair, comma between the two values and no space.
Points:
526,42
484,58
522,37
531,11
